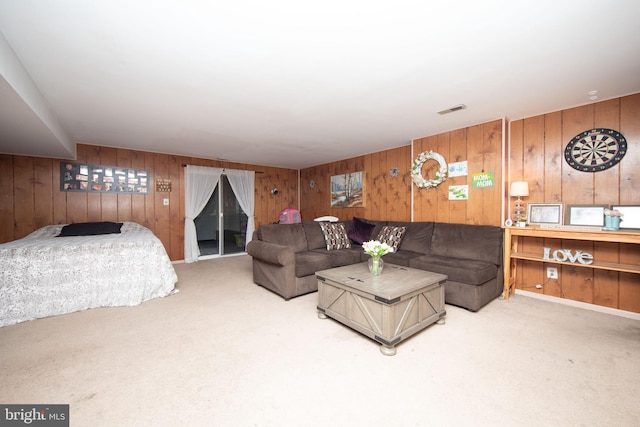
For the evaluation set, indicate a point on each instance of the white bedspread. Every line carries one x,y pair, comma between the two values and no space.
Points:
42,275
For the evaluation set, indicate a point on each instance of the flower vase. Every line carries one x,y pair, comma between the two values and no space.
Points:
376,264
611,222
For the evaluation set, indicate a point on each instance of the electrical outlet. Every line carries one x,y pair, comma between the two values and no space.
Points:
552,273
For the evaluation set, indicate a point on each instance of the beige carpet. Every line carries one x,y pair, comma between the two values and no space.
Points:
226,352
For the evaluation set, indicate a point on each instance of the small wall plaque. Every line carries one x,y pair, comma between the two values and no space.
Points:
163,185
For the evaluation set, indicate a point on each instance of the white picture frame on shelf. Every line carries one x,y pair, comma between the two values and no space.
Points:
589,215
544,213
630,216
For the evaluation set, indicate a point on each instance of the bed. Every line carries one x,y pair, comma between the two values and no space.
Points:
45,275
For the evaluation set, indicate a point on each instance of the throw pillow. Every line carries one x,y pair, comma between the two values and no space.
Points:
90,229
392,236
335,235
360,231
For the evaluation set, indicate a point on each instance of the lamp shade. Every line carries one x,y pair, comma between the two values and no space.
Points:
519,189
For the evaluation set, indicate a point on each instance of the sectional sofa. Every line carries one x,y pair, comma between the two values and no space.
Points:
286,256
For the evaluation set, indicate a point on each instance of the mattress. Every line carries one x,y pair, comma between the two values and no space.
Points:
44,275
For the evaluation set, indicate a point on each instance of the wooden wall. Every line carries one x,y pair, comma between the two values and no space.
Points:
537,156
481,147
30,195
386,197
389,197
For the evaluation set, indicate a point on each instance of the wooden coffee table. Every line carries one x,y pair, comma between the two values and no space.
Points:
387,308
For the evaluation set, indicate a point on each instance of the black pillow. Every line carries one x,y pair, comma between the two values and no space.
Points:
90,229
360,231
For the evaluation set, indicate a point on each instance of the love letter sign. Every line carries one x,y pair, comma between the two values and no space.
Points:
564,255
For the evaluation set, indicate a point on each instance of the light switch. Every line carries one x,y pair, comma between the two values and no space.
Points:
165,202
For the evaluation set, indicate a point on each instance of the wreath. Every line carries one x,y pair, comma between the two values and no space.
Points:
416,170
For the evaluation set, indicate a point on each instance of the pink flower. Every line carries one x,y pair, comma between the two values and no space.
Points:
612,212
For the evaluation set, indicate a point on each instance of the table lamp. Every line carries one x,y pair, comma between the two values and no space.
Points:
519,189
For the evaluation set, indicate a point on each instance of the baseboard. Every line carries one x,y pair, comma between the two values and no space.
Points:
579,304
206,257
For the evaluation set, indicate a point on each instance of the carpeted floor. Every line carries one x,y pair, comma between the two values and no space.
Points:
226,352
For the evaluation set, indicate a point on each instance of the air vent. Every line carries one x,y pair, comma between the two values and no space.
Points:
452,109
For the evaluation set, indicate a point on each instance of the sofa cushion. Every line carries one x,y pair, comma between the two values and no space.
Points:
342,257
291,235
315,236
335,235
470,271
401,257
360,231
417,238
392,236
308,262
479,242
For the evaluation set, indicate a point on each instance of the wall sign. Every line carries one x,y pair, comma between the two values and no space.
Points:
483,180
82,177
563,255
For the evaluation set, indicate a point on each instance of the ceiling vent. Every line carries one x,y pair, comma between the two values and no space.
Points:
452,109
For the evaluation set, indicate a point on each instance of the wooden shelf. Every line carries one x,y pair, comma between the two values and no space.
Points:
564,233
627,268
511,235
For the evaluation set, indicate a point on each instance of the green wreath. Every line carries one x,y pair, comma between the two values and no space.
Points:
416,170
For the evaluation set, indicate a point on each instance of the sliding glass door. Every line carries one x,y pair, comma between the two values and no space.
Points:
221,227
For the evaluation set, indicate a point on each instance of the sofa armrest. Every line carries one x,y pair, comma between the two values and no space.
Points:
271,252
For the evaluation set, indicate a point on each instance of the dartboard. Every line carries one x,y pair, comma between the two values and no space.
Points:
595,150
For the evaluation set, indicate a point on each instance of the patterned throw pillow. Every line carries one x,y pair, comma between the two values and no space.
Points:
335,235
392,236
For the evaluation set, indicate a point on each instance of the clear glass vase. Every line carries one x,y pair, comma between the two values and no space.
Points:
376,264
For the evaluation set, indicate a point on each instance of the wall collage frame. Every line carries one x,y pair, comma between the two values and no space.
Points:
82,177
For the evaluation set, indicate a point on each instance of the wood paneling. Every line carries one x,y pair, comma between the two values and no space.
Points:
385,197
30,195
7,199
389,198
481,147
537,156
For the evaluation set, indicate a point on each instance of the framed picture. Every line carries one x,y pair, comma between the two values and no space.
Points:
79,177
630,216
347,190
585,215
544,213
458,192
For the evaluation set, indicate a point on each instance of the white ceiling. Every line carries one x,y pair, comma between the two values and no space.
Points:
293,83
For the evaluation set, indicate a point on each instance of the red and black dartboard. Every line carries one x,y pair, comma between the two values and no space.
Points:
595,150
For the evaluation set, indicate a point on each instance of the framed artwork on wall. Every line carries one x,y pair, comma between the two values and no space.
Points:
544,213
347,190
630,216
592,215
81,177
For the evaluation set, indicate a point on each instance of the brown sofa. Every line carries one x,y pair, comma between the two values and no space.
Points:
286,256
